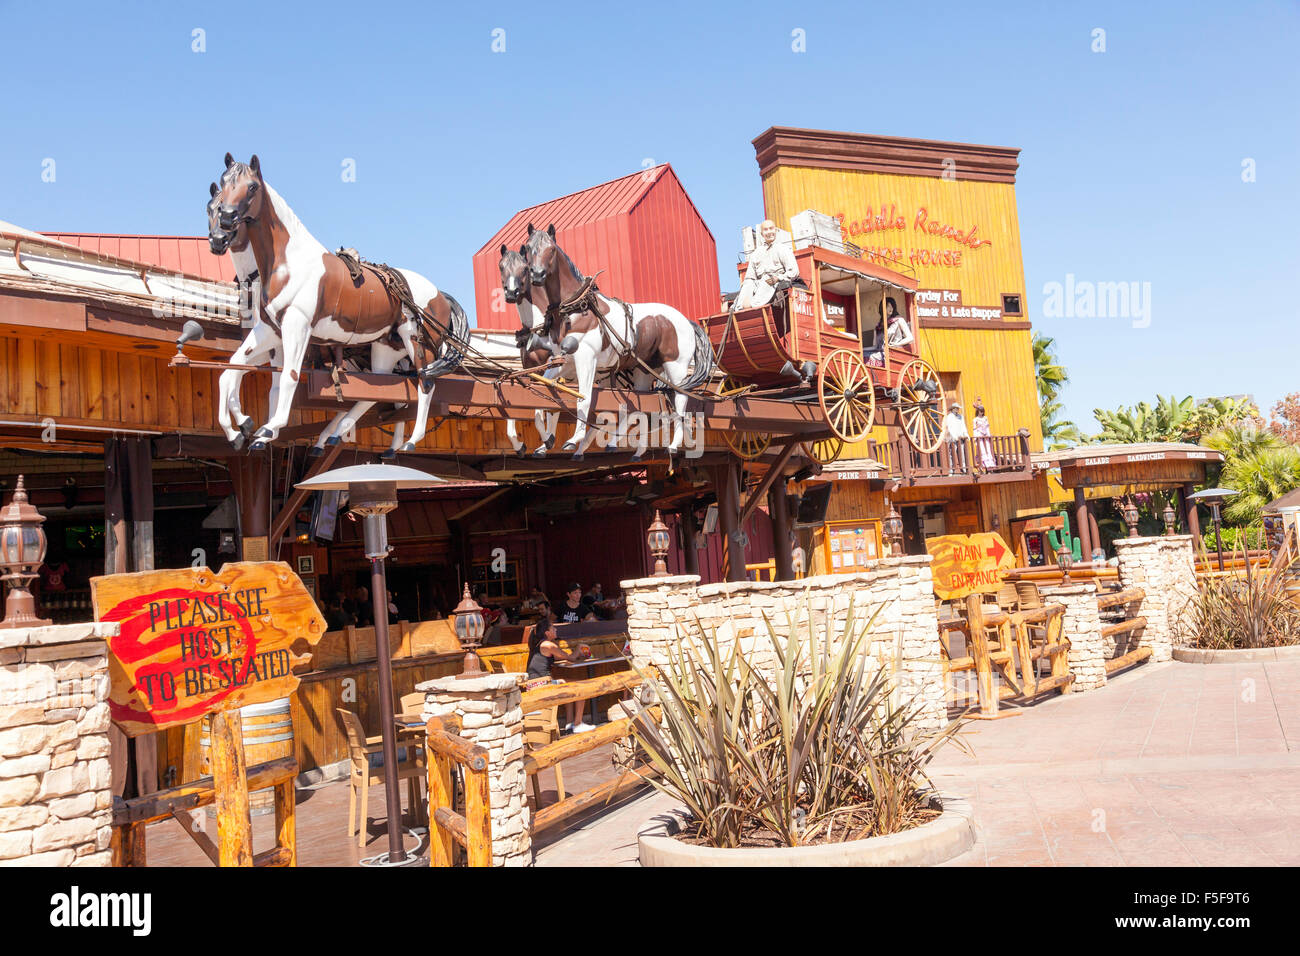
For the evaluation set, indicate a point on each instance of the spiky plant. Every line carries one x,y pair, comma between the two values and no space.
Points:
1238,611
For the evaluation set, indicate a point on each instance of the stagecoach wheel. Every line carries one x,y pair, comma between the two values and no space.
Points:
825,451
746,445
847,397
921,405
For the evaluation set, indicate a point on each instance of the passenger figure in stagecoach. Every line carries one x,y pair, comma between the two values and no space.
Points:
770,264
900,334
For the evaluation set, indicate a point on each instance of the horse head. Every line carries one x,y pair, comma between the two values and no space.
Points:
514,273
219,240
238,199
542,253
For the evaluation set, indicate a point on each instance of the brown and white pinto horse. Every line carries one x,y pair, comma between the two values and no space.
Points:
305,294
538,340
664,340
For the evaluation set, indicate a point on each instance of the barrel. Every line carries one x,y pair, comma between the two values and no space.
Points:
267,730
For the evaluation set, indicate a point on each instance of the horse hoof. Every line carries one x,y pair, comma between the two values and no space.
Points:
246,427
237,442
639,455
315,451
332,441
540,451
259,445
408,446
388,454
577,456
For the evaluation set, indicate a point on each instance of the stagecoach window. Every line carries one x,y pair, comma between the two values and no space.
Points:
1011,304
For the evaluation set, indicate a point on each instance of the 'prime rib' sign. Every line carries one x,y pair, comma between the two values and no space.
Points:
193,642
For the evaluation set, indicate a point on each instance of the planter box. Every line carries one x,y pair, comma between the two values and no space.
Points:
1235,655
952,834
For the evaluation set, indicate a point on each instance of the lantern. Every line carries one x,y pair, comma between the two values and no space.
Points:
1064,561
894,531
657,539
469,630
1131,517
1170,518
22,551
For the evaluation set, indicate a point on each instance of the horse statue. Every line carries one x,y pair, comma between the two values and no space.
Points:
536,336
604,334
304,294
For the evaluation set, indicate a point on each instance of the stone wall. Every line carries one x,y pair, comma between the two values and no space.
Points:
1164,568
904,635
1082,627
491,716
55,780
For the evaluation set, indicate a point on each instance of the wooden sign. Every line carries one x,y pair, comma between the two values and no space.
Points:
968,563
192,642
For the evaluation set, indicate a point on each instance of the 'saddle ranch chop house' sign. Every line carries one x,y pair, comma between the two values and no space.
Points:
193,642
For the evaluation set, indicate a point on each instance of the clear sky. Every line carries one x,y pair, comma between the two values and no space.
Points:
1131,164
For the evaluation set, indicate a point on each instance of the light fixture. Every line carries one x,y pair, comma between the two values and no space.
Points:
1131,517
894,530
657,539
372,493
469,631
1170,518
226,543
22,551
1064,561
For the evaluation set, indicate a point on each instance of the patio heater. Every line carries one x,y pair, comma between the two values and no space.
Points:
372,493
1214,498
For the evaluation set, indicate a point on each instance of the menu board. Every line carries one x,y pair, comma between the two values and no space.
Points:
851,545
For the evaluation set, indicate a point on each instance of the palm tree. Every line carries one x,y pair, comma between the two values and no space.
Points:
1258,478
1051,375
1167,421
1058,432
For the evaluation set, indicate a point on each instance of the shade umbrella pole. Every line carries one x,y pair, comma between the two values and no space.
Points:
376,551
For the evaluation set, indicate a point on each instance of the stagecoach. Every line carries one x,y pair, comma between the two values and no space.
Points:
823,341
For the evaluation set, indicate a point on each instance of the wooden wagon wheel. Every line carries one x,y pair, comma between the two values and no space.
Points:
846,394
825,451
921,405
746,445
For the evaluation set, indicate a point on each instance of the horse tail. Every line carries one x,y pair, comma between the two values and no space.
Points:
703,367
455,343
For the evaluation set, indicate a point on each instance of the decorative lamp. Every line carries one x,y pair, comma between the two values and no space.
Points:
657,539
1064,561
894,531
1170,518
22,551
469,631
1131,517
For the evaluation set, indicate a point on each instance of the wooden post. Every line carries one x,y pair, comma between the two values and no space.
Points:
733,557
478,819
1190,517
285,829
779,508
690,556
252,480
439,798
979,650
1081,524
230,780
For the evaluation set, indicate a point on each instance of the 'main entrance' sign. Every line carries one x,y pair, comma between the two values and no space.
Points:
193,642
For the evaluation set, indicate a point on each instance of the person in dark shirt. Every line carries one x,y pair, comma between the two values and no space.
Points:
336,618
574,609
365,610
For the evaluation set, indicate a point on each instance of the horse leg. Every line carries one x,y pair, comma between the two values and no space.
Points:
584,359
254,350
295,333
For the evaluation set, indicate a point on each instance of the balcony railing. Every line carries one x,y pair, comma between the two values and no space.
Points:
998,457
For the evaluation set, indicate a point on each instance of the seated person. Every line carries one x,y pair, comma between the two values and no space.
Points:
574,608
336,618
543,651
900,335
770,264
536,598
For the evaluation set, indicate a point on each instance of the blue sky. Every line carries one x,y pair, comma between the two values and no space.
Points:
1131,163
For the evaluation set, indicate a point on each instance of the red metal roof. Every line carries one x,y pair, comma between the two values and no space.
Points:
642,230
188,254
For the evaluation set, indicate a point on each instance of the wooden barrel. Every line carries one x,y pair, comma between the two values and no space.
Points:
267,733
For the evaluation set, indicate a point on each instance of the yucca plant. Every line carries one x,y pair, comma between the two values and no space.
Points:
810,744
1235,611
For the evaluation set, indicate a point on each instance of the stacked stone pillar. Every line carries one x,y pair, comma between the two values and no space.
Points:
1082,627
56,800
491,716
1164,568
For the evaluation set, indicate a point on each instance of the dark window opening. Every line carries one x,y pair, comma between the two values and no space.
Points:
1011,305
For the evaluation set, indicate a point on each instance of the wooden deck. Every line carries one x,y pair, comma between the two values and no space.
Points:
322,820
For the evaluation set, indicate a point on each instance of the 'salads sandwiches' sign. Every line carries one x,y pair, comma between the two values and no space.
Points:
193,642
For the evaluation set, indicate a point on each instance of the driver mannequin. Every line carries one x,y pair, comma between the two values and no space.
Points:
770,262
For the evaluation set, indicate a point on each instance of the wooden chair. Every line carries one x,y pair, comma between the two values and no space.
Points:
1027,591
362,776
1008,599
412,703
541,728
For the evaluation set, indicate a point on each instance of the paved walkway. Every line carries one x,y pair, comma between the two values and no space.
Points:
1170,765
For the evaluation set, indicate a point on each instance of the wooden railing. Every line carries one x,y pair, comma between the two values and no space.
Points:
1127,631
1007,454
130,817
1024,638
1050,576
554,695
472,830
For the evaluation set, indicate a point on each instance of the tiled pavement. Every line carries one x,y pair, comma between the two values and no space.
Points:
1170,764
